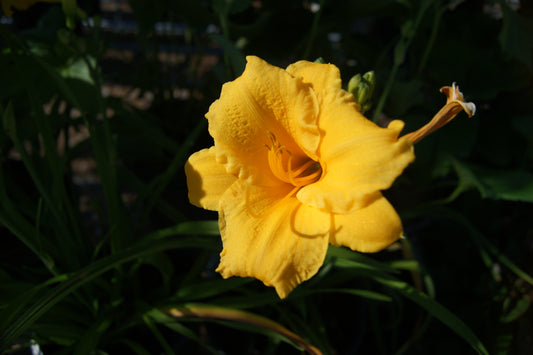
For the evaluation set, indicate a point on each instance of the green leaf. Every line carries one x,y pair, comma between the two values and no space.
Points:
504,342
161,263
252,321
480,240
12,288
12,220
59,331
35,309
135,347
423,300
86,95
520,308
138,129
56,79
130,180
515,36
184,228
234,54
376,296
209,288
72,13
8,121
411,265
436,310
158,185
171,323
157,334
365,261
249,300
508,185
514,185
88,342
78,69
467,180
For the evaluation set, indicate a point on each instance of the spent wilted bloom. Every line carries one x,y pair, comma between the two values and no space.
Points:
455,103
295,167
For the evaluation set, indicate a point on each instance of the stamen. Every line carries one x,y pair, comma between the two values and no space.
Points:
306,166
276,164
290,194
305,174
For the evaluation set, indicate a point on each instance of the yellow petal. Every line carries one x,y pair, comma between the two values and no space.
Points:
369,229
271,237
207,180
320,76
264,100
358,158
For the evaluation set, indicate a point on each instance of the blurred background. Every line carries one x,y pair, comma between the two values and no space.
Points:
103,101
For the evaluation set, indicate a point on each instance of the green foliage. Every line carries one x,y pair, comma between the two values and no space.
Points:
102,253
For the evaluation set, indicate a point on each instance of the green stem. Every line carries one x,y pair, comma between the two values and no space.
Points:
385,94
72,237
400,52
106,158
434,30
157,334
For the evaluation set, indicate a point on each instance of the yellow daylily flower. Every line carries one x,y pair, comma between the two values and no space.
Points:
294,167
7,5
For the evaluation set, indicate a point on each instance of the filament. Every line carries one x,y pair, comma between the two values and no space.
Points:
280,161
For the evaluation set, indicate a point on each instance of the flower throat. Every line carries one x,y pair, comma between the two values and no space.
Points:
280,162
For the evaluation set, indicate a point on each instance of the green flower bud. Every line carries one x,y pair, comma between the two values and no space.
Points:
362,88
354,83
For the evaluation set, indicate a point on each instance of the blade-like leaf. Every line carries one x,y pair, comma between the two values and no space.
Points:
209,312
376,296
170,322
38,307
423,300
209,288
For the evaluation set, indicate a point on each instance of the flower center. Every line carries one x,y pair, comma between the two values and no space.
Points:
281,165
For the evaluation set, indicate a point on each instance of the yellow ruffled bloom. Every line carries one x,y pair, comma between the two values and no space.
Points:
294,167
7,5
